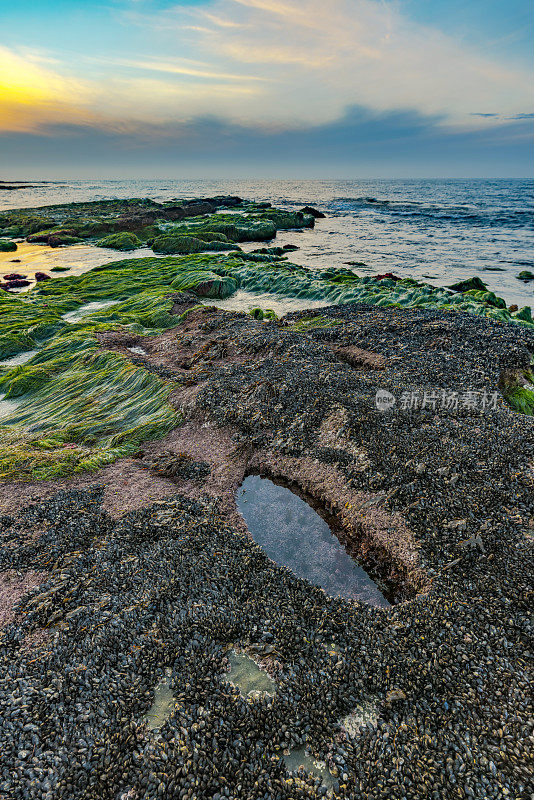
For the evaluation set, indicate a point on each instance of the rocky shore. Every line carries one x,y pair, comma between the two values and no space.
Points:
123,558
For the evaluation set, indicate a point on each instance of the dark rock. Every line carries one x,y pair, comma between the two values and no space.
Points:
16,284
388,275
42,276
313,211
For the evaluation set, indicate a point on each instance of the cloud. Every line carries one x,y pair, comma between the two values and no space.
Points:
271,65
321,57
360,144
32,95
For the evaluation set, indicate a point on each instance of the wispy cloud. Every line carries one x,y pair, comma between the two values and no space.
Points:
173,68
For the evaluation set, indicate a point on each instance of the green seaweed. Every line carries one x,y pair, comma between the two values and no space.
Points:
186,244
6,246
98,407
309,323
121,241
521,399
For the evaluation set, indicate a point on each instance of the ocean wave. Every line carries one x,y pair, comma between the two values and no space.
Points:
440,213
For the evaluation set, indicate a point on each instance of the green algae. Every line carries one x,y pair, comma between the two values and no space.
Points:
7,246
263,313
121,241
206,284
183,245
521,399
310,323
92,406
517,388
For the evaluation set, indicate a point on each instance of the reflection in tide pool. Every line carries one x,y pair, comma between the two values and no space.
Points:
247,676
295,536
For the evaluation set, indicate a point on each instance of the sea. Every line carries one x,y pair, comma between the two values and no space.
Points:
439,231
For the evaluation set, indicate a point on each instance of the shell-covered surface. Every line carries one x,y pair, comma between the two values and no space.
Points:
145,566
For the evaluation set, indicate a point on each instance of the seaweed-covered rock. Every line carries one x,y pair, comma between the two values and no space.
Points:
284,220
178,244
121,241
526,275
7,246
487,297
206,284
524,313
58,240
467,285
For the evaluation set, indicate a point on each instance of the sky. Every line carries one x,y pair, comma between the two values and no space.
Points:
266,88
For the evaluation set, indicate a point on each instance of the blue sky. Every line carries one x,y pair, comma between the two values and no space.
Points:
296,88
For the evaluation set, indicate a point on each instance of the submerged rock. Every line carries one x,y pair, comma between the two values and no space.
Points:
313,211
7,246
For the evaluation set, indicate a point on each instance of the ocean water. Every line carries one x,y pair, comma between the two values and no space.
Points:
439,231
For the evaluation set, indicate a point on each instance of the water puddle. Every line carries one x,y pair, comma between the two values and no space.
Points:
246,301
302,759
138,350
7,407
82,311
363,714
295,536
247,676
161,708
21,358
